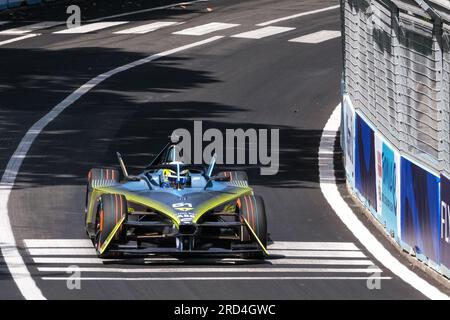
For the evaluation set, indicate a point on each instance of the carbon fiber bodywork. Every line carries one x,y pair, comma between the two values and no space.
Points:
200,219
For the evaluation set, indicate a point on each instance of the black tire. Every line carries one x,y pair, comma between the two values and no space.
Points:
111,209
252,208
234,175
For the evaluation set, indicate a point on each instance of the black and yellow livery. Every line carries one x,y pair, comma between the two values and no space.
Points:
173,208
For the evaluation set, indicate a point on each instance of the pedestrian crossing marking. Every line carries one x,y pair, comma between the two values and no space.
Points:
91,27
317,37
30,28
206,29
332,260
262,32
146,28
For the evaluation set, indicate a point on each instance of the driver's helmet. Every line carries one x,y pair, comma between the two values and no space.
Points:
169,178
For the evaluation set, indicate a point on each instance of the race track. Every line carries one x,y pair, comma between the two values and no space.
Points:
243,79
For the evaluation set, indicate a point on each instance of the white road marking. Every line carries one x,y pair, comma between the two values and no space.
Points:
318,37
280,245
73,247
84,260
31,27
4,22
58,243
8,246
286,253
294,16
146,28
68,260
62,251
214,270
206,28
32,35
262,32
336,262
91,27
319,254
210,278
313,245
344,212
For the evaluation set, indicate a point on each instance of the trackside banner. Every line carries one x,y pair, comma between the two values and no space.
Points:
390,197
388,186
420,214
365,176
444,223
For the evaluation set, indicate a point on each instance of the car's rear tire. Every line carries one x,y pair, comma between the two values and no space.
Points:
234,175
102,177
99,177
252,208
111,209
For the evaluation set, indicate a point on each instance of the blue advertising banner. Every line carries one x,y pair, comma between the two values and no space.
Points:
365,176
390,189
420,214
445,228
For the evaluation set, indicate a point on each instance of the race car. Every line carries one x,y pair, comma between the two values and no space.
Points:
174,208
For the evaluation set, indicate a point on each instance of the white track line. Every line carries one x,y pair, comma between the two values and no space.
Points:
286,253
278,245
336,262
209,278
206,28
262,32
31,27
319,254
312,245
317,37
277,262
345,213
91,27
213,270
146,28
146,261
58,243
62,251
68,260
32,35
8,246
294,16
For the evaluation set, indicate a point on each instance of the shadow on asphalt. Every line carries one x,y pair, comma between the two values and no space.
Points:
100,8
133,113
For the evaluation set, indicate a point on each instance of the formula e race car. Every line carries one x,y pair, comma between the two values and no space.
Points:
176,209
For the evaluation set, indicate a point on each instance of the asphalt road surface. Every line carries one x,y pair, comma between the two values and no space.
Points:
267,79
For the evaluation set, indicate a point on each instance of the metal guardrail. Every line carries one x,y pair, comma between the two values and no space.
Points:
397,71
396,119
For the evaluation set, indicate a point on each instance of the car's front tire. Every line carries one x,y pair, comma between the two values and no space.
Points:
253,210
112,208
